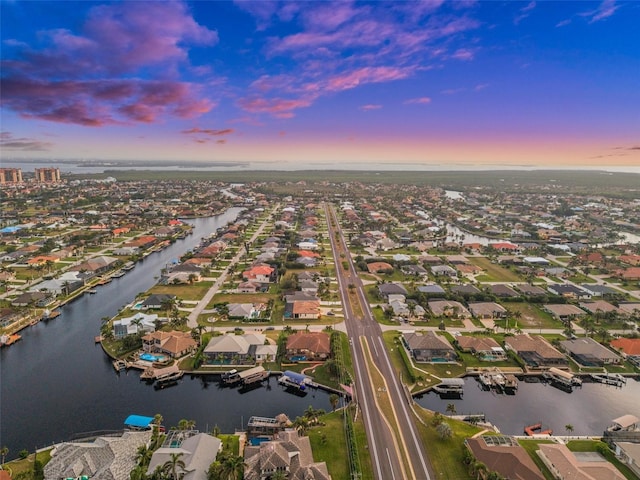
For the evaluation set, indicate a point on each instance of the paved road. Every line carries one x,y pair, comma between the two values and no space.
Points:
192,319
387,445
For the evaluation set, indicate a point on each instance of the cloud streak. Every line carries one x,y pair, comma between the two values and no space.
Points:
9,142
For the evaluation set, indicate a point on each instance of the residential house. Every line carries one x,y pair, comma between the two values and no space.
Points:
415,270
535,351
288,453
387,289
37,299
175,343
309,345
502,291
157,301
563,463
589,353
444,271
564,312
97,265
629,347
485,348
629,454
249,287
139,322
448,308
260,273
487,310
531,290
198,451
505,456
567,290
466,291
379,267
237,349
8,316
431,290
106,458
429,347
599,307
308,308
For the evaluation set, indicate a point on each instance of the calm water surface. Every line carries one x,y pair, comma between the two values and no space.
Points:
589,409
56,383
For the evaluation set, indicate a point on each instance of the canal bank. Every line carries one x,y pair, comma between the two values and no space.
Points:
59,383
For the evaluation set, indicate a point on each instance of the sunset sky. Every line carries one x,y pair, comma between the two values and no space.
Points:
466,83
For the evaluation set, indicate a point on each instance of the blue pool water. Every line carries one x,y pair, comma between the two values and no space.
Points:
151,358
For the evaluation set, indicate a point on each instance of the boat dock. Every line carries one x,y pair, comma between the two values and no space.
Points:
120,365
561,379
296,380
159,373
614,379
501,382
245,377
6,340
450,386
536,429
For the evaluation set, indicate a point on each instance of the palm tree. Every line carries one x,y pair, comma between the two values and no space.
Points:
138,473
172,465
143,455
451,408
334,399
279,475
233,467
568,427
4,451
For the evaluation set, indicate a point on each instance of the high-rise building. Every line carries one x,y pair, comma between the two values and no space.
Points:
10,175
47,175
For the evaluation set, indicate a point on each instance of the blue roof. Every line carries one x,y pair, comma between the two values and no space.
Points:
296,377
10,229
138,421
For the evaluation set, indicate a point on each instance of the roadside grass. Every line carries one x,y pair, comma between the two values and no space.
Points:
531,446
384,404
25,466
493,272
446,455
329,444
183,292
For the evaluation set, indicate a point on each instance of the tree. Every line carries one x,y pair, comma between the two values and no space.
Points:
334,399
451,408
174,464
143,455
232,467
4,451
568,427
444,430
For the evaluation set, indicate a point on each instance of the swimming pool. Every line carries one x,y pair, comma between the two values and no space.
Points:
148,357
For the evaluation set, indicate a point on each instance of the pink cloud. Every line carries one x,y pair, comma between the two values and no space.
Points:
368,107
71,78
418,101
367,75
209,131
604,10
101,102
463,54
277,107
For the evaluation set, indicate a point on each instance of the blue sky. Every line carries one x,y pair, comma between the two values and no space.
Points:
428,83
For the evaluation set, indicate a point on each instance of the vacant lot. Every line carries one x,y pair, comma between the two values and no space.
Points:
494,272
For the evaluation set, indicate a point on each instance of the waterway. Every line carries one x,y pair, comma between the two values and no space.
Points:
56,382
589,408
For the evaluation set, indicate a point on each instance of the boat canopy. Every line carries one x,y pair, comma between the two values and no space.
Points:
138,421
295,377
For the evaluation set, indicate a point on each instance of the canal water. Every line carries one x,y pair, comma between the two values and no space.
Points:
589,408
56,382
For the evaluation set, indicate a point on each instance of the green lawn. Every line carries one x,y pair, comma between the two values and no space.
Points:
184,292
531,446
494,272
329,444
603,448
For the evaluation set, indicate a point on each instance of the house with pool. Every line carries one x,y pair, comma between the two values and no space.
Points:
140,322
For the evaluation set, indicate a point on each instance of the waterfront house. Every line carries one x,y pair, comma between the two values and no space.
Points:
629,347
175,343
589,353
485,348
429,347
310,345
237,349
629,454
139,322
38,299
156,301
106,458
505,456
289,454
8,316
563,463
97,265
535,351
198,451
